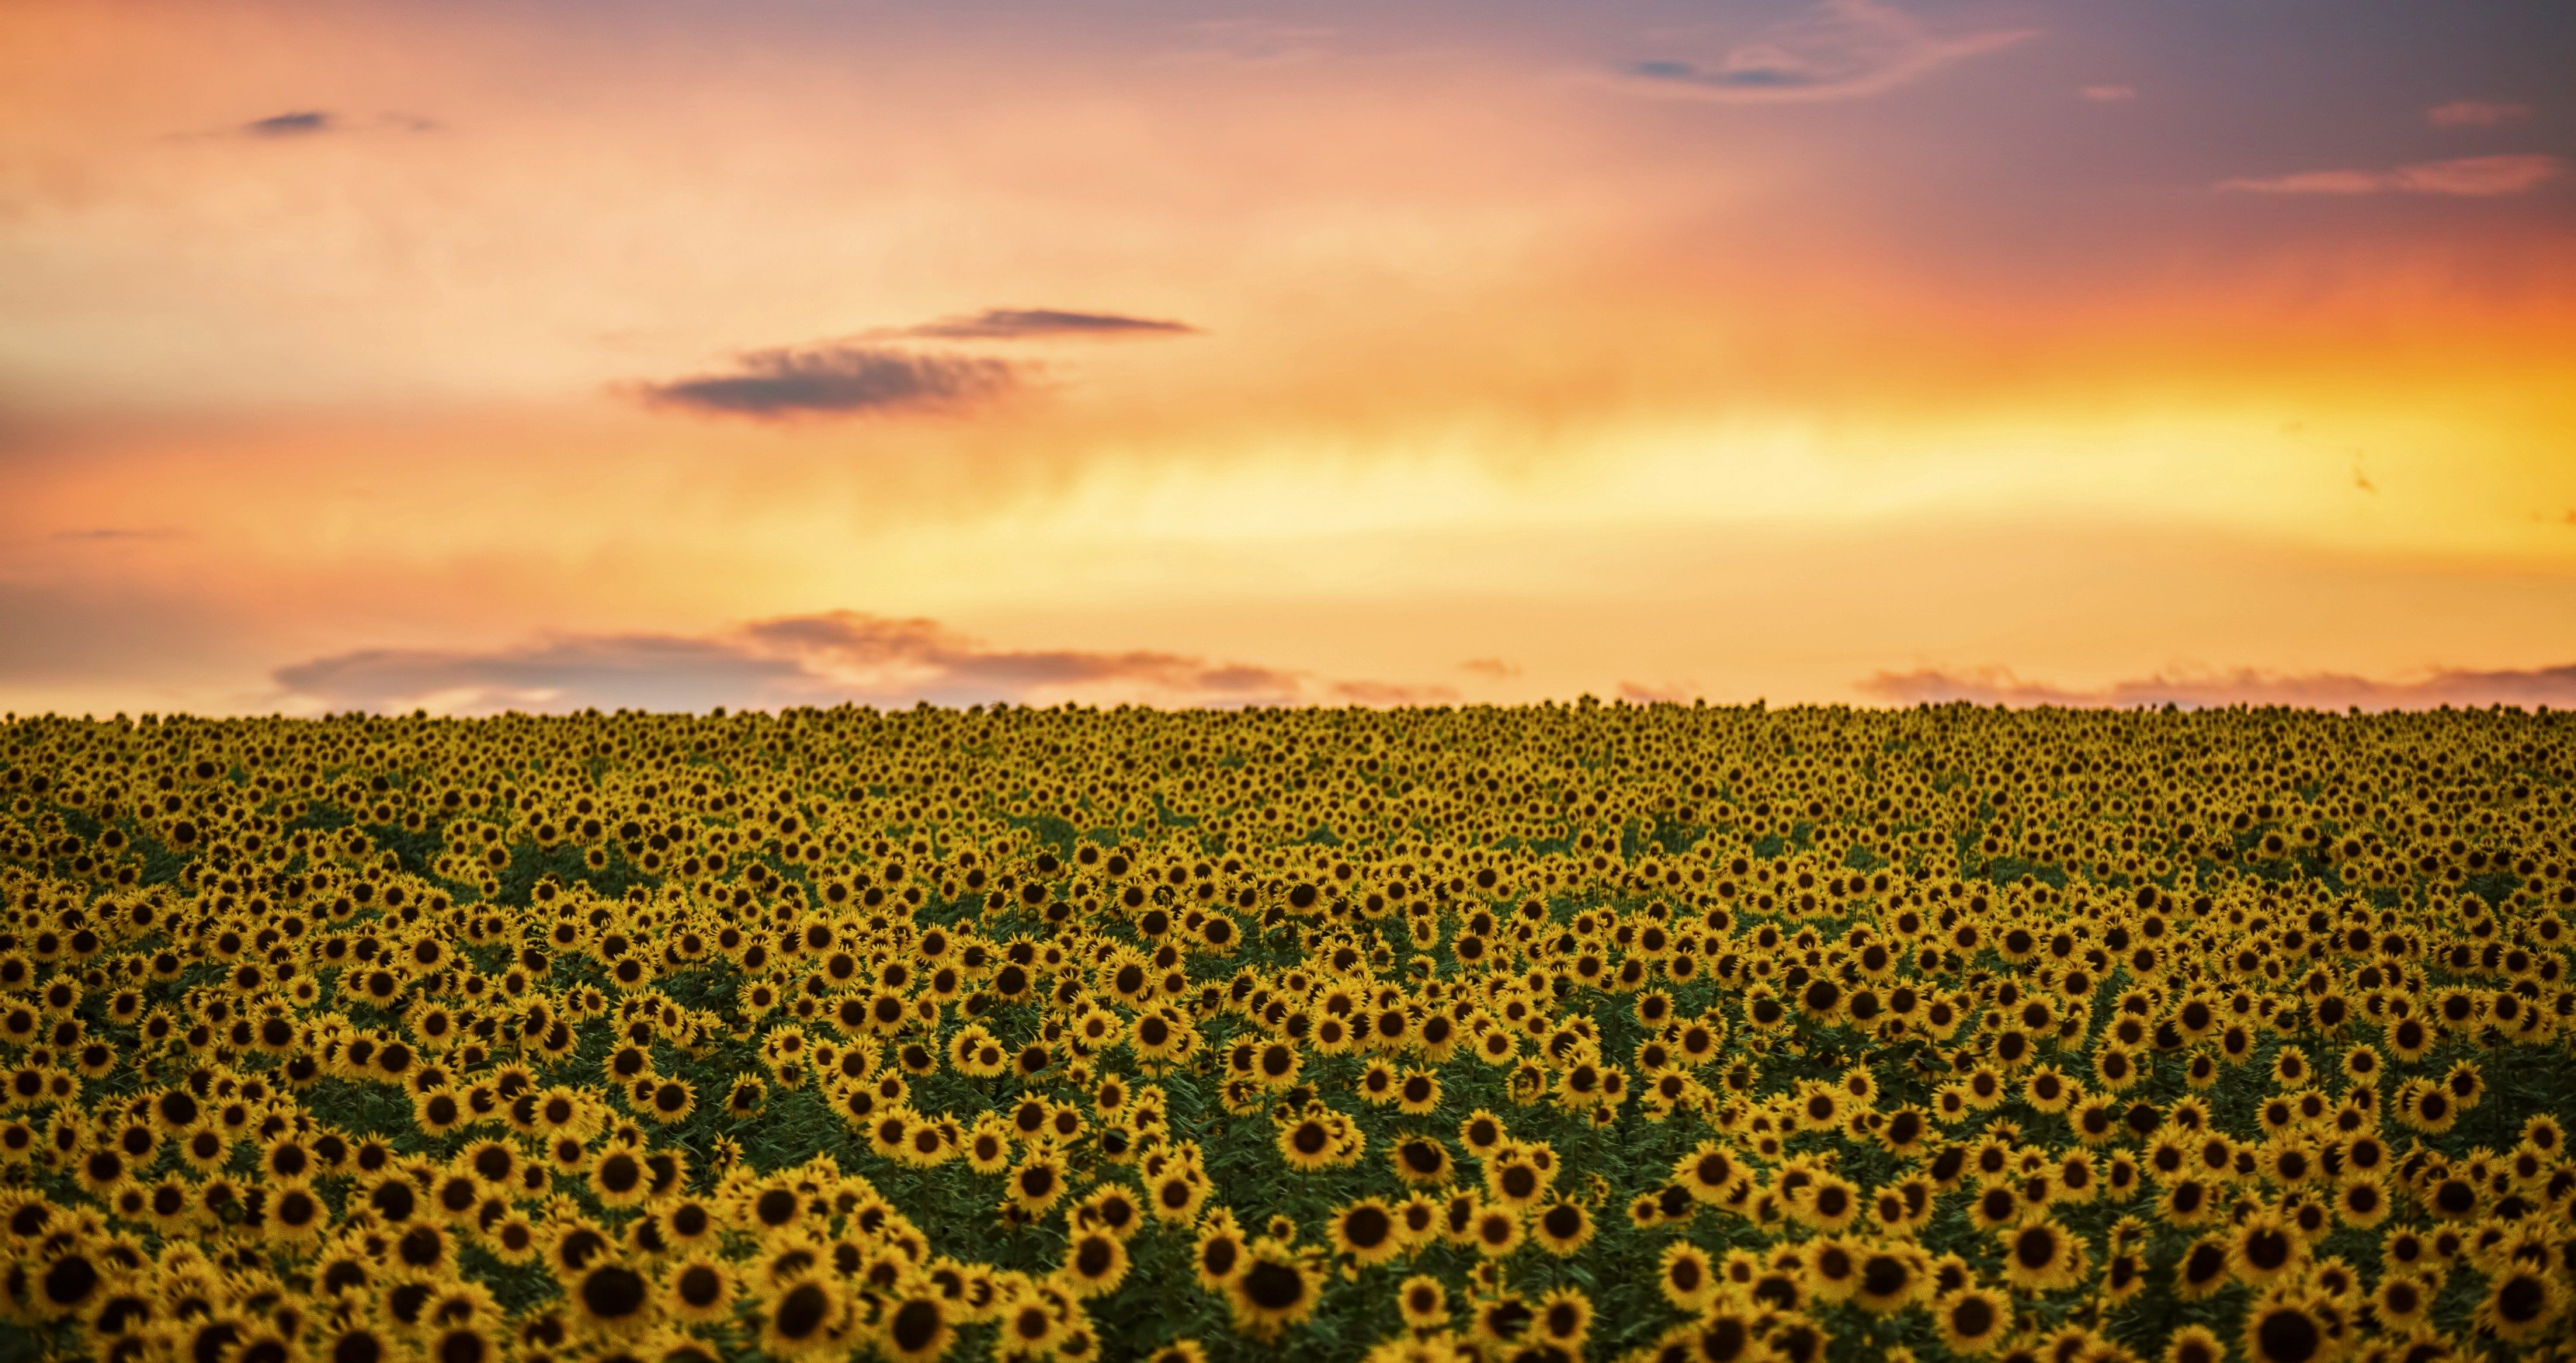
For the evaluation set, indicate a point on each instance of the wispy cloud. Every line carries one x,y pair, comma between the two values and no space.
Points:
1015,324
1494,668
836,380
842,656
299,123
2109,94
2554,686
1842,49
2465,177
116,534
1644,693
865,373
2475,113
1252,42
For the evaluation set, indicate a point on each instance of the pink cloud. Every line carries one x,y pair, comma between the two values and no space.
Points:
2109,94
828,659
2463,177
2475,113
2552,686
2480,176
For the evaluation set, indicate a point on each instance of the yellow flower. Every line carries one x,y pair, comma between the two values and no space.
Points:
1274,1290
1974,1321
1367,1231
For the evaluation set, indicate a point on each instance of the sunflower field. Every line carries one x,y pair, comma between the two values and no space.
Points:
1563,1032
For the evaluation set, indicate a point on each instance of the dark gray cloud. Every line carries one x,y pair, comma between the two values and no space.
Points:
827,659
300,123
2552,686
837,380
1013,324
1838,49
1736,78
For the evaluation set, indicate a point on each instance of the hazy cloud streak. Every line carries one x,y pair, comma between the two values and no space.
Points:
837,380
828,659
1013,324
301,123
2466,177
1843,49
2553,686
2475,113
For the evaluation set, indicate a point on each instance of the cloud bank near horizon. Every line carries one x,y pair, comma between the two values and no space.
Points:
825,659
2549,686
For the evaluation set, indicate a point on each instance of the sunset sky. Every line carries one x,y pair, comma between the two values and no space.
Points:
476,356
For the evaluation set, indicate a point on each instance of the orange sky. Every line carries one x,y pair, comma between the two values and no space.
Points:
478,356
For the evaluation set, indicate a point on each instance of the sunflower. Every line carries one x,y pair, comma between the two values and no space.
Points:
1891,1278
916,1327
1274,1290
1564,1318
1177,1193
356,1340
1111,1207
2195,1344
1689,1281
1422,1302
699,1289
618,1177
1902,1207
1421,1160
2522,1304
1309,1143
1031,1325
1830,1270
2203,1268
468,1342
1038,1181
1828,1204
666,1100
801,1316
2361,1201
2402,1299
1562,1228
1973,1321
424,1247
1495,1232
2286,1331
2045,1089
1995,1207
296,1214
1417,1093
1720,1336
1706,1171
2262,1247
1514,1177
1501,1320
610,1296
1220,1252
1367,1231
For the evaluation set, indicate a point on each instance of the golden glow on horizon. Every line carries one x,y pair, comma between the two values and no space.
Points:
1467,331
